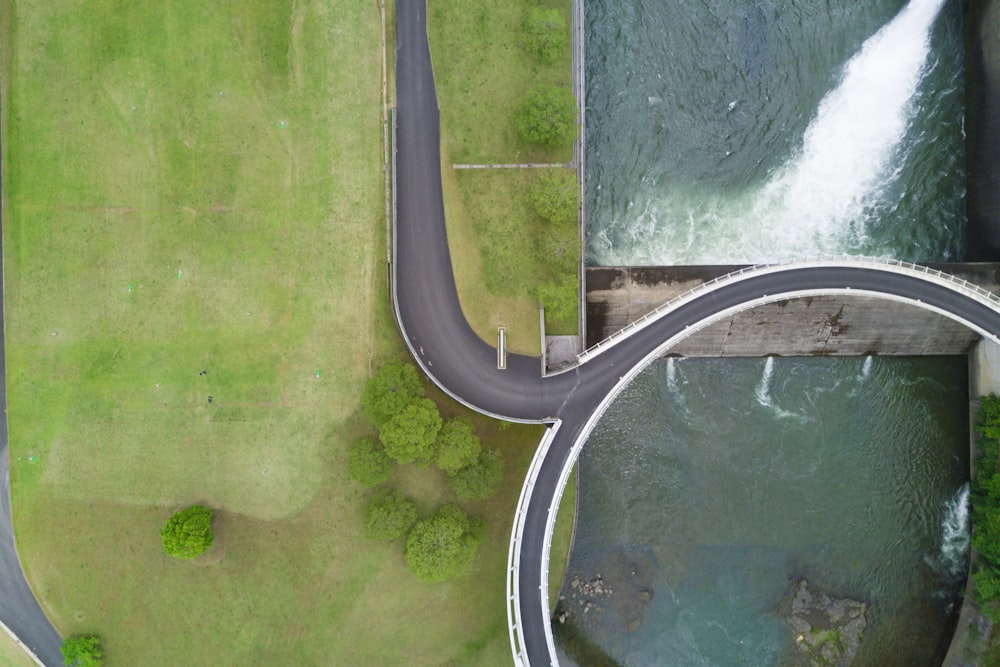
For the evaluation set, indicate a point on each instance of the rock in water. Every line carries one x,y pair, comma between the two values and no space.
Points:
827,630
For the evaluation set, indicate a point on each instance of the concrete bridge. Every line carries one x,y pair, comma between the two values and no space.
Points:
572,401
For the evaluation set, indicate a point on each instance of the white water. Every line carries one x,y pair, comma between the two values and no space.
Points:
955,533
763,393
820,201
847,151
866,369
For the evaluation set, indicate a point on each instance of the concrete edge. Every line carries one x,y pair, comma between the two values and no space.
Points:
24,647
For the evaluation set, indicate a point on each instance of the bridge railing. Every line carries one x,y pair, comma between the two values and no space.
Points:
886,263
514,554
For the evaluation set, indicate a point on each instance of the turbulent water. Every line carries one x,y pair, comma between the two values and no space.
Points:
721,132
724,132
716,485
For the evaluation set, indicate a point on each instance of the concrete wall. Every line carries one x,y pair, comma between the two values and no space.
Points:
811,326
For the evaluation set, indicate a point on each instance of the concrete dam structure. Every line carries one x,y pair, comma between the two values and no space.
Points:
820,325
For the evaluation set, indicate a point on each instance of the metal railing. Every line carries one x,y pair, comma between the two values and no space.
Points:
514,552
886,264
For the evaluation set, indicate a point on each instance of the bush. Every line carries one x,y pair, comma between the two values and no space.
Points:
369,464
410,435
555,196
389,515
394,386
986,508
547,117
560,300
188,533
457,446
546,34
82,651
443,546
480,480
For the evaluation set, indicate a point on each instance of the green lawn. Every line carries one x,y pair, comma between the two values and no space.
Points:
482,72
190,189
11,655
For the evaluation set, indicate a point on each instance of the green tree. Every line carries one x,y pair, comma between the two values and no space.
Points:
480,480
443,546
555,196
188,533
560,299
457,446
389,515
369,464
82,651
546,33
987,581
410,434
547,117
394,386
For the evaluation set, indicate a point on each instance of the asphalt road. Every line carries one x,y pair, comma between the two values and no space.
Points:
442,342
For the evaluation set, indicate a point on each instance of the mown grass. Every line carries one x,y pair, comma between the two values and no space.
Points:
191,187
482,73
562,539
11,654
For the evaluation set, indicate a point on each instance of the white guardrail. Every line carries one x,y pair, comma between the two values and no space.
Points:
886,264
514,552
959,285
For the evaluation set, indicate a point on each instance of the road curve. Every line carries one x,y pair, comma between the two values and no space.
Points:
450,353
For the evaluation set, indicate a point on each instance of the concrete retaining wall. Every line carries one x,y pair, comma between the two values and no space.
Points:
982,125
810,326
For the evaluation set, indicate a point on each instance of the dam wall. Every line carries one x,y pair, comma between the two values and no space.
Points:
827,326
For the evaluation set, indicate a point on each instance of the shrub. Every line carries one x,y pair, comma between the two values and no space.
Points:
547,117
480,480
560,300
369,464
443,546
82,651
394,386
555,196
188,533
457,446
411,433
389,515
546,34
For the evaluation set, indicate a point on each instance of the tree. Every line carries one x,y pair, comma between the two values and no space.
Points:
389,515
457,446
188,533
546,34
547,117
480,480
560,299
443,546
394,386
411,433
555,196
82,651
369,464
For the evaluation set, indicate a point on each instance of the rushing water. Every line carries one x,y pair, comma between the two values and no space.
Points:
716,485
721,132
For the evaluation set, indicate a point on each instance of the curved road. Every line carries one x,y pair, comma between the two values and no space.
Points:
442,342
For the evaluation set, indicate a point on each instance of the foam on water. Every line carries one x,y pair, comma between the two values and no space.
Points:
826,195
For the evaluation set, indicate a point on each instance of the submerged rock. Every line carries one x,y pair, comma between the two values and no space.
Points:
827,630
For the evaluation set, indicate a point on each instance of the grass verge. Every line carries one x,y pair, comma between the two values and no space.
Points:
482,72
562,538
11,654
190,187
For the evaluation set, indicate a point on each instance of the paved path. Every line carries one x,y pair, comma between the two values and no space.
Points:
431,319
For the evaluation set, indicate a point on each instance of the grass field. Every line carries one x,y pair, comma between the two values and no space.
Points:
192,188
482,72
11,654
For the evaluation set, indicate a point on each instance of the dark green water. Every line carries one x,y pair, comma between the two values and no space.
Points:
722,132
716,485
